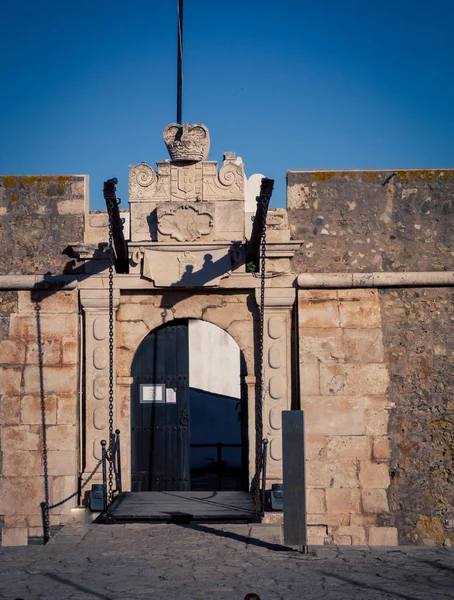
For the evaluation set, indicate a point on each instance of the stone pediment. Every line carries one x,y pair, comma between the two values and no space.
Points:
184,222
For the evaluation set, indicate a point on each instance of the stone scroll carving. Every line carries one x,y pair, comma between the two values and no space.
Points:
140,256
225,185
142,181
184,222
187,143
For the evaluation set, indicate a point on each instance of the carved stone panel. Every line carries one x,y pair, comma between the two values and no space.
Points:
142,181
228,184
277,372
184,222
186,266
96,376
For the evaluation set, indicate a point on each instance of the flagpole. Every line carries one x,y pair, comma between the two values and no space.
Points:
180,62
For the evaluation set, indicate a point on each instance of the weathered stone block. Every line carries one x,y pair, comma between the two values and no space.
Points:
12,352
8,302
364,294
9,410
31,410
14,536
35,532
372,475
325,474
316,535
124,358
61,437
376,422
70,352
328,520
363,519
383,536
242,333
338,415
50,352
21,495
359,314
315,446
342,540
55,303
130,334
357,533
342,500
57,380
67,410
362,379
363,345
378,402
194,306
318,314
15,521
35,520
10,380
310,379
27,464
316,501
223,316
70,207
321,345
61,462
374,501
229,220
145,298
381,448
331,380
134,311
19,438
317,295
60,488
56,326
348,447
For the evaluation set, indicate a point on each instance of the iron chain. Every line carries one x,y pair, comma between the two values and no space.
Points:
46,517
111,350
260,374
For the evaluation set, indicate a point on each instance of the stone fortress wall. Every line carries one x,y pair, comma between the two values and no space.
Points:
374,363
38,215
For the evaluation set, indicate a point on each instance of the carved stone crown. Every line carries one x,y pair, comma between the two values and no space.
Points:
187,142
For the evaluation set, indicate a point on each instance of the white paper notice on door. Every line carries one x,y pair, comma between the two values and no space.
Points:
152,393
171,395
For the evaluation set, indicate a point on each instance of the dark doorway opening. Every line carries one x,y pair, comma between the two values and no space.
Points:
215,437
184,438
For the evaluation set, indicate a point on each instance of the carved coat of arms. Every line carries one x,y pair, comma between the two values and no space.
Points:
184,222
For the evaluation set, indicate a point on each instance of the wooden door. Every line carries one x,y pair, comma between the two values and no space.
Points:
160,411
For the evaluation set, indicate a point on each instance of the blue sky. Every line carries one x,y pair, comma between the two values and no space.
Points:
88,86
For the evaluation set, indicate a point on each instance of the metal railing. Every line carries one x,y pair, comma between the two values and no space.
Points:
219,446
114,458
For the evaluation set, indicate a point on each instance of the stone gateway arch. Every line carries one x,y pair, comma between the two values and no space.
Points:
356,333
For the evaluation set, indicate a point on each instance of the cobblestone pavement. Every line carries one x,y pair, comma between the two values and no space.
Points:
141,561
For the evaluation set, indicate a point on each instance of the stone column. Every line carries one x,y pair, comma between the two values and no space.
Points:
277,373
95,304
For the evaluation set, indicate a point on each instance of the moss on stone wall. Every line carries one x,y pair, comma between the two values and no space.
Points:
39,217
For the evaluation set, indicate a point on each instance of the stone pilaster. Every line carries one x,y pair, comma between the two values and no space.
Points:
277,372
95,304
